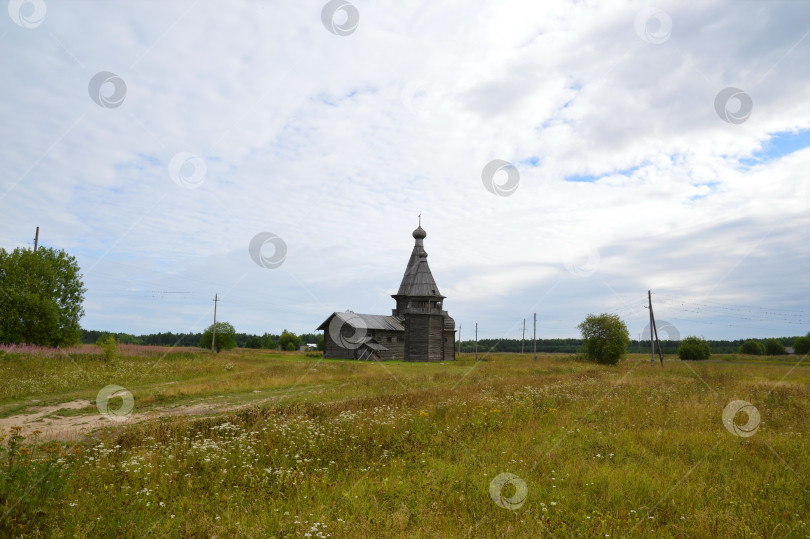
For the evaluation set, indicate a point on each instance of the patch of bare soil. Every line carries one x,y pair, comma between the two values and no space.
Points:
73,427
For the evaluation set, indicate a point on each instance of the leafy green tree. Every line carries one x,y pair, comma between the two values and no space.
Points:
253,342
41,295
287,338
801,345
774,348
109,346
605,337
320,343
268,343
752,347
225,338
694,348
290,347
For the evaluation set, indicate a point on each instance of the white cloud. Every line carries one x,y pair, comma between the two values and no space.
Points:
336,143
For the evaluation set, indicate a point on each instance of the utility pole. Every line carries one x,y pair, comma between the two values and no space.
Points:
476,341
652,325
214,336
534,338
652,322
523,339
36,240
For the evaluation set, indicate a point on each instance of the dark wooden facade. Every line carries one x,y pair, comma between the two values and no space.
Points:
417,330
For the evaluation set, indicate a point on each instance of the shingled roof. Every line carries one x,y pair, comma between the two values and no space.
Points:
418,281
366,321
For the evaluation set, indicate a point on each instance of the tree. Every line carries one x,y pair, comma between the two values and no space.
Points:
225,338
253,342
694,348
288,338
320,342
605,338
774,348
801,345
268,343
41,295
754,348
109,346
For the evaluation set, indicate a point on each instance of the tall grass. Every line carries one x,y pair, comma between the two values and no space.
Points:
349,449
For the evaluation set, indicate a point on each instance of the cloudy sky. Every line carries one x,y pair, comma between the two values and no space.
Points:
636,146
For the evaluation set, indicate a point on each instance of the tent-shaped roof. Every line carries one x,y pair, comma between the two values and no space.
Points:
418,281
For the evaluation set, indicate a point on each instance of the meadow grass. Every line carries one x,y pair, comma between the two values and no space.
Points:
348,449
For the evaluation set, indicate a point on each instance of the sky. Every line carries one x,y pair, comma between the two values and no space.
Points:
565,157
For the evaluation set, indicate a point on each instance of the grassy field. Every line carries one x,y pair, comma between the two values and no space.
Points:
251,443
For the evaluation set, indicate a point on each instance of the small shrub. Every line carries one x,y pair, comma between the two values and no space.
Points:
109,346
605,338
754,348
774,348
694,348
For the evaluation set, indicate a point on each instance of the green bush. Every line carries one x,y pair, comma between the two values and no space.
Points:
774,348
109,346
694,348
605,338
288,338
801,346
754,348
224,339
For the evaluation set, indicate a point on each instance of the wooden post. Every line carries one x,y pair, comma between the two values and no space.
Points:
534,337
36,240
476,341
214,335
523,339
652,324
459,339
652,318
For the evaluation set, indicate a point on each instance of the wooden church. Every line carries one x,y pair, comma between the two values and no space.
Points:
417,330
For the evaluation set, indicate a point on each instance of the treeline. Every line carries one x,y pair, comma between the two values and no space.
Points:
268,340
290,341
572,346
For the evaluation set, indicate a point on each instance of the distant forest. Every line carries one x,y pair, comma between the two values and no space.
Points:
90,336
560,346
571,346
